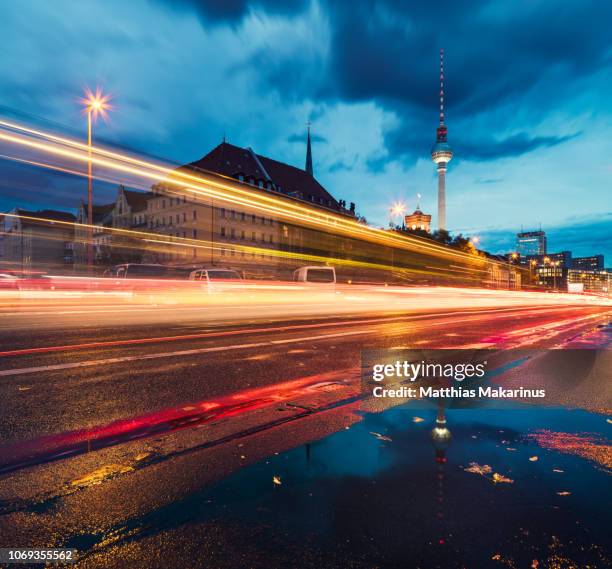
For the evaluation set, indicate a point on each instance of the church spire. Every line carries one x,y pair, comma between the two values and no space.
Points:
308,167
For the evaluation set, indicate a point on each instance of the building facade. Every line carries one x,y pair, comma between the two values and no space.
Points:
592,263
531,243
40,240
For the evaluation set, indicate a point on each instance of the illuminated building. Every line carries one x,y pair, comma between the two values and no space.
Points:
128,211
593,263
418,220
596,281
531,243
29,244
173,213
441,153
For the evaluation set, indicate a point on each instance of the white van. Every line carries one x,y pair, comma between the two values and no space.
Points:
315,275
208,275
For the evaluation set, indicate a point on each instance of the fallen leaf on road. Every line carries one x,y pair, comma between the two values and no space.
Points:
100,474
276,480
476,468
381,437
417,419
533,459
142,456
501,479
563,493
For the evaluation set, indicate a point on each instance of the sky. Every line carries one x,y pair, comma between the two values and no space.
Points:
528,84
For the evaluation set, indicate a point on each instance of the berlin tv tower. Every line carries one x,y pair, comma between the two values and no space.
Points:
441,153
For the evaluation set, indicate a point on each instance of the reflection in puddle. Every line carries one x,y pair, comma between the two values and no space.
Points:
392,492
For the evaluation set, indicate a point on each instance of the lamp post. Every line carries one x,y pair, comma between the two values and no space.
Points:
532,265
396,209
94,104
545,262
555,264
511,257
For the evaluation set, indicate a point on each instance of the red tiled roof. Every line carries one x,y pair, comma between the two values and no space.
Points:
230,160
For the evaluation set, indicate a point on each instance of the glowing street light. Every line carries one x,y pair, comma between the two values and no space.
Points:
95,104
397,209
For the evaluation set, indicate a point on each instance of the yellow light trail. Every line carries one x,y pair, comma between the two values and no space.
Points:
186,242
229,191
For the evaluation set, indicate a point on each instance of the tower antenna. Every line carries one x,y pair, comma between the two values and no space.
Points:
441,153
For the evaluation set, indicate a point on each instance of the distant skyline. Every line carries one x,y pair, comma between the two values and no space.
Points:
527,87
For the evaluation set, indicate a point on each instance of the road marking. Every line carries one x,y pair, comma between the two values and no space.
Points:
89,363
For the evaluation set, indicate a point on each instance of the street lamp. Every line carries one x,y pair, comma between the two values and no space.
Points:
397,208
532,264
94,104
555,264
511,257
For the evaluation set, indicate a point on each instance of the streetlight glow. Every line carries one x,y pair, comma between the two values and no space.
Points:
96,103
398,208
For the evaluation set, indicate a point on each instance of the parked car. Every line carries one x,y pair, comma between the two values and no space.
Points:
214,274
145,271
315,275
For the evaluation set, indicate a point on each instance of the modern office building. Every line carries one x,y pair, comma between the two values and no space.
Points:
592,263
531,243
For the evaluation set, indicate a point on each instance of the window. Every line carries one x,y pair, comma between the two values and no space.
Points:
243,216
242,235
164,204
195,214
223,232
233,233
260,184
254,218
240,178
178,218
253,237
163,221
223,212
184,216
233,212
270,238
195,233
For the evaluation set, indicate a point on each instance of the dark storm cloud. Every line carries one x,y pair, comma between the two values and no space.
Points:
511,146
232,11
525,57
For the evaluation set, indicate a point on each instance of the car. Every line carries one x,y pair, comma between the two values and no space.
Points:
321,275
214,274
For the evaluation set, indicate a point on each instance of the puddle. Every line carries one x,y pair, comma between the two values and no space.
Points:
407,499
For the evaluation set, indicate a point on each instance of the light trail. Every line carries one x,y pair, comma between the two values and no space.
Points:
216,187
243,331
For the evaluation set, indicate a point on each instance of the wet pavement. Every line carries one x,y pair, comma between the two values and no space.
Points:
522,487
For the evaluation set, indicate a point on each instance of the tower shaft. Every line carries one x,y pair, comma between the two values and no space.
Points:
441,197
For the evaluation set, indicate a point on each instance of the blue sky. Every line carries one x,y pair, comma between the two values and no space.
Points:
528,110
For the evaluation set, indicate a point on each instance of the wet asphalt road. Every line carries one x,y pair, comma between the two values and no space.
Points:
41,394
106,377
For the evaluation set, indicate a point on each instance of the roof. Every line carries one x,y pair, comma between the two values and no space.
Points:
230,160
100,211
45,214
136,200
